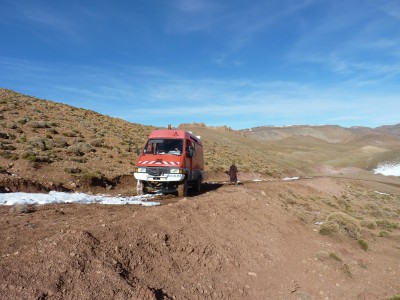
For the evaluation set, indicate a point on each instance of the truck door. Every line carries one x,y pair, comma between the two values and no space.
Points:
189,160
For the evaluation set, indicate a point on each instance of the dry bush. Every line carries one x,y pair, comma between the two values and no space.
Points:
22,209
80,149
363,244
58,142
96,142
12,125
386,224
38,124
80,160
340,224
38,142
9,155
72,170
6,146
368,223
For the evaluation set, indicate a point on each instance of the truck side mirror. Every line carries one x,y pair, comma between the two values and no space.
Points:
138,151
190,152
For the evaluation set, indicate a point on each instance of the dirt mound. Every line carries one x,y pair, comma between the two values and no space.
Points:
17,184
257,240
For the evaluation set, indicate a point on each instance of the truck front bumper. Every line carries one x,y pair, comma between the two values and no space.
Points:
161,178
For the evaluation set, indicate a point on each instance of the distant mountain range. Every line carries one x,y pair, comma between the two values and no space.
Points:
328,133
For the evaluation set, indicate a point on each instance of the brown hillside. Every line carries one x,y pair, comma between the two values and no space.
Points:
56,144
47,145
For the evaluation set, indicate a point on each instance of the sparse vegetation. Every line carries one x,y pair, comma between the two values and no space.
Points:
368,223
335,257
92,175
385,224
363,244
72,170
340,224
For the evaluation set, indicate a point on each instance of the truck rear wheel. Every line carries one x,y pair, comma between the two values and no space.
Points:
182,189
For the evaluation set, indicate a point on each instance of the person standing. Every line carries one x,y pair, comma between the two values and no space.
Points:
233,170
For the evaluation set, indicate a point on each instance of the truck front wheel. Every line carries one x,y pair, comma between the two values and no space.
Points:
182,189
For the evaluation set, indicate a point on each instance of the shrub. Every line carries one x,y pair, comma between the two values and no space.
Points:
38,142
368,223
383,233
340,224
53,131
387,224
5,146
80,149
28,153
363,244
23,121
59,142
12,125
80,160
38,124
322,255
9,155
43,159
72,170
70,134
4,135
334,256
96,142
92,175
22,209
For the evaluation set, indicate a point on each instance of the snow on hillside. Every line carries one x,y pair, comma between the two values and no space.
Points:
59,197
388,169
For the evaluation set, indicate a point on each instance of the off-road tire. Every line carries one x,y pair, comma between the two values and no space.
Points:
183,189
197,186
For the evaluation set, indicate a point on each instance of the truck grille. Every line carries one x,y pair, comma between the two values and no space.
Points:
155,171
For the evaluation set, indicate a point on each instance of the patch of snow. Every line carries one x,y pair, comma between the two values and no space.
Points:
60,197
257,180
388,169
380,193
291,178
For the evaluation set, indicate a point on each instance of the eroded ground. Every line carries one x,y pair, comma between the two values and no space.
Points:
258,240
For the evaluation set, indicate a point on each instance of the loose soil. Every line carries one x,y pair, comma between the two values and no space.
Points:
256,240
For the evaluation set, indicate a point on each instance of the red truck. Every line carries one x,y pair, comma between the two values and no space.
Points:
170,162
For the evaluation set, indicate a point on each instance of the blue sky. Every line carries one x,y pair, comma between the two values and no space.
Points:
229,62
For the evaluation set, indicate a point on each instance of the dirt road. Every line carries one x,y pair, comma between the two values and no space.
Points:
252,241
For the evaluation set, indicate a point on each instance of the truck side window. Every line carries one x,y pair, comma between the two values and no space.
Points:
189,145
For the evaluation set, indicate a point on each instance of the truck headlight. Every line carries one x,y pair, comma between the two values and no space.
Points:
141,170
175,171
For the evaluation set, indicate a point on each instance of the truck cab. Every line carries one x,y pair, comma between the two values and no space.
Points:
171,161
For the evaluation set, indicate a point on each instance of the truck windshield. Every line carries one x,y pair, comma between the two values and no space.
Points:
164,146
